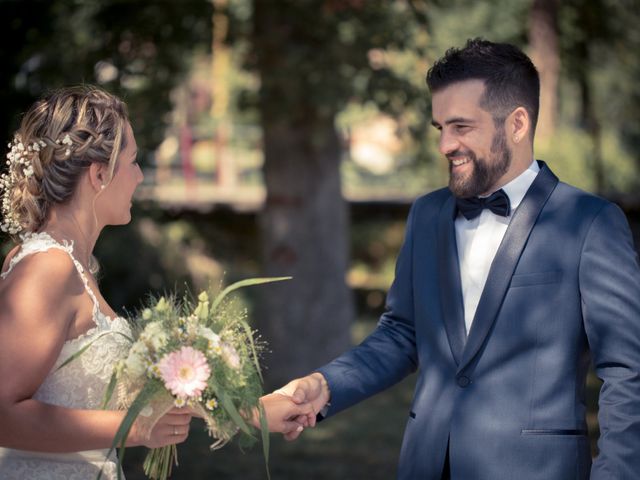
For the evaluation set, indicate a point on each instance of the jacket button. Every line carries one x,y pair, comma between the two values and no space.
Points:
463,381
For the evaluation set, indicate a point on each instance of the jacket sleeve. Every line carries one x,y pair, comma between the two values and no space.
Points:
387,355
610,292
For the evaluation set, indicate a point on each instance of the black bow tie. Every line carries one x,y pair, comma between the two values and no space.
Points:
497,202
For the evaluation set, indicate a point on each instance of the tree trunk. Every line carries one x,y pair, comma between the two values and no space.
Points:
545,54
304,224
588,118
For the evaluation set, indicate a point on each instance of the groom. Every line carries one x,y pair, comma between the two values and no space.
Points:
508,284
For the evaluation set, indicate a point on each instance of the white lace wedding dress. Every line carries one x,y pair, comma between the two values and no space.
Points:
80,384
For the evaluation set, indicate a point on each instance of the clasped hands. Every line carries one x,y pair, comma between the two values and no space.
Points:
289,410
294,407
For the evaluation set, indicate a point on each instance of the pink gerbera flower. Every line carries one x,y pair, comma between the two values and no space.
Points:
184,372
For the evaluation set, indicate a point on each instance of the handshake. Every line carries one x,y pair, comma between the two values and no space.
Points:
294,407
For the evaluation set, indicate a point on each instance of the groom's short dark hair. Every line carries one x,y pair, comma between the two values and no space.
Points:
510,78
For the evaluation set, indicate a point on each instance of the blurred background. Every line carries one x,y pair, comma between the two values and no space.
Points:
289,137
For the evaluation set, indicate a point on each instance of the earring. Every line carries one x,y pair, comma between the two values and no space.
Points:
102,187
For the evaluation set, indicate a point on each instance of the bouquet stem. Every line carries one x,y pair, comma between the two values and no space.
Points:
158,463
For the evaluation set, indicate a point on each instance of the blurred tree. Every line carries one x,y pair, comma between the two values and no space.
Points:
585,24
600,55
545,53
624,72
133,48
24,27
313,57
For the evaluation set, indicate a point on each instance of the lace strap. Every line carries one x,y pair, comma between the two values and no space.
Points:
41,242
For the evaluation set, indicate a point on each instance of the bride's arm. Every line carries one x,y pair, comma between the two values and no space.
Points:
40,301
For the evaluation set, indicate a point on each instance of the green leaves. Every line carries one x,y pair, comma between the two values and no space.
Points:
230,408
110,388
149,389
254,353
264,430
244,283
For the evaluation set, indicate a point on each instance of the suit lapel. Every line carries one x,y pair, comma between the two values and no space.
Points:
450,286
505,261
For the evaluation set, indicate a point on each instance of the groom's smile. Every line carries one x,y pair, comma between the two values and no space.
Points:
457,162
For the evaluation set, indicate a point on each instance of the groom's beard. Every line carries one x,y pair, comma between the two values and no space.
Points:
485,173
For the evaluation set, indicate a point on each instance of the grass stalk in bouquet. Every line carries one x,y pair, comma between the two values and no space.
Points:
200,356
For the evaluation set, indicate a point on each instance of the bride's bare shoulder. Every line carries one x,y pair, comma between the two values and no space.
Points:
39,277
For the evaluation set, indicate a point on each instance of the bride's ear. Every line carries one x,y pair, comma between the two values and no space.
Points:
97,176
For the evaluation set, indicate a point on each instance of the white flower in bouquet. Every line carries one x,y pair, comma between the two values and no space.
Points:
137,361
191,326
211,404
230,356
162,305
213,339
154,336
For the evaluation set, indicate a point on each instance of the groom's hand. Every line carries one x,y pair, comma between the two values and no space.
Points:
312,389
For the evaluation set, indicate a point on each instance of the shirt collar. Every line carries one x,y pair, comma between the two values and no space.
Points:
517,188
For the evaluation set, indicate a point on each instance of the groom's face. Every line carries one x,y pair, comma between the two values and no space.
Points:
478,154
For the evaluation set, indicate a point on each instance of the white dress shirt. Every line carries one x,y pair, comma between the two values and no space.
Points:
478,241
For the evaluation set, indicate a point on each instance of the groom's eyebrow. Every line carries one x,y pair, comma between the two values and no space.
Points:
449,121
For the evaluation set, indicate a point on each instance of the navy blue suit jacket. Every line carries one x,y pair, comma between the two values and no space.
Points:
509,399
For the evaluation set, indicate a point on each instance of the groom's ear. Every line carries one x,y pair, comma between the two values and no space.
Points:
518,125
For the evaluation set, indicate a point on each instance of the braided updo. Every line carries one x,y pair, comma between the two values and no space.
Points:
60,136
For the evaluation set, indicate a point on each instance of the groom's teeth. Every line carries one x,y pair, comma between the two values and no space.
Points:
457,163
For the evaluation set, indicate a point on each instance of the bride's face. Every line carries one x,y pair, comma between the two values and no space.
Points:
116,197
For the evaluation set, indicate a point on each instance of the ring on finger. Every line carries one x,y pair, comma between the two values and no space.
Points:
175,430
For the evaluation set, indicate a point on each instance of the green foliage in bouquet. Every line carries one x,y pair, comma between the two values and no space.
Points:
203,357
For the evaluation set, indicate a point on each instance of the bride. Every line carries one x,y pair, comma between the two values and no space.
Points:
72,170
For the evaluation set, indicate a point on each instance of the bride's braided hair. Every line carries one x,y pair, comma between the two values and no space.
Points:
59,137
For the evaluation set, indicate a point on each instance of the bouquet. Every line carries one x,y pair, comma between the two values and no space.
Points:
201,356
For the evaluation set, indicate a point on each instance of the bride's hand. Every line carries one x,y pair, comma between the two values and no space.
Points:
281,413
170,429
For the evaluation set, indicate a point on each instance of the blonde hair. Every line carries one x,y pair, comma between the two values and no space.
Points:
94,122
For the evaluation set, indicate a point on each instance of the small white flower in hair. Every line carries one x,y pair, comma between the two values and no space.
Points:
19,161
67,140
